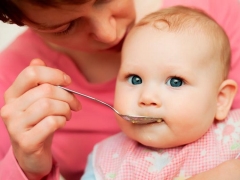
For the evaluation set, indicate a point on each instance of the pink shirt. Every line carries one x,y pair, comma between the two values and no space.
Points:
94,122
72,144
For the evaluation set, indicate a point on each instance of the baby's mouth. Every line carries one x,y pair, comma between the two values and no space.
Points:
158,120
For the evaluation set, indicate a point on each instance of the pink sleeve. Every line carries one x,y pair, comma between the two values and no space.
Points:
227,14
9,169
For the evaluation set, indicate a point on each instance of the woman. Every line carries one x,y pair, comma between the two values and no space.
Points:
80,42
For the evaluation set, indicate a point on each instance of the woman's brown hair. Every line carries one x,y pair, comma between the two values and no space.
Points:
12,14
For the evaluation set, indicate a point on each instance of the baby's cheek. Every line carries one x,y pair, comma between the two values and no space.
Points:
189,131
124,106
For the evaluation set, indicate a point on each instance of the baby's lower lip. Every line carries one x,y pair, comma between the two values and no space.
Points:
160,121
156,122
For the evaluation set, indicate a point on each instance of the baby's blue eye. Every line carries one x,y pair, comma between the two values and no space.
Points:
175,82
134,79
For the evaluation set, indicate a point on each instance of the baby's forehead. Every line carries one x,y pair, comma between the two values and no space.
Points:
153,35
193,24
196,47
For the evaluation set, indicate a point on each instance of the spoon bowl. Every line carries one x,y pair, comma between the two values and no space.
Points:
129,118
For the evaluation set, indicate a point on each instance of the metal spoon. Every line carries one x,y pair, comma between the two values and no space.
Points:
132,119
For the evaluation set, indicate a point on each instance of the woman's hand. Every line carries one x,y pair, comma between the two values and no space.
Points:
34,109
229,170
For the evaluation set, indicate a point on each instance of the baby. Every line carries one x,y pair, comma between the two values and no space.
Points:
174,66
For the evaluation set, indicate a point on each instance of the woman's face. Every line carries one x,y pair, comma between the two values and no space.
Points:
98,25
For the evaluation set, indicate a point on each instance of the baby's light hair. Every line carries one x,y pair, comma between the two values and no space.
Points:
182,19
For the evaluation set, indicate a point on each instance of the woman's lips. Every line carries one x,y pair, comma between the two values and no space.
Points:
117,47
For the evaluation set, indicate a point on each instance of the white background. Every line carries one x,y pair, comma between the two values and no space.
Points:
8,33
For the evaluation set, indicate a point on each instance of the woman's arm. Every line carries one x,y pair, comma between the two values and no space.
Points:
9,169
229,170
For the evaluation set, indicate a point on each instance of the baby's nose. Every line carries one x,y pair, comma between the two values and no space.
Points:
149,98
149,103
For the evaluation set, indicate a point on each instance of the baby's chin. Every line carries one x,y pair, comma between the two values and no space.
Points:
148,134
154,135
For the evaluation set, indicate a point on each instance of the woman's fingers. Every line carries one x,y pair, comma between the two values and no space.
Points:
46,126
33,76
37,62
47,91
44,108
36,112
23,121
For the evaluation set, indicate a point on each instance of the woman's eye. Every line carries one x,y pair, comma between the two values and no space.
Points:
175,82
102,1
134,79
66,31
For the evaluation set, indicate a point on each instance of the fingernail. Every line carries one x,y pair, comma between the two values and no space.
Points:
67,79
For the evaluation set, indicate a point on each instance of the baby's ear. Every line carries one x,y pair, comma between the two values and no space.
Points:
226,94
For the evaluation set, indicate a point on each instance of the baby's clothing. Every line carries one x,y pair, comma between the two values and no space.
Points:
119,157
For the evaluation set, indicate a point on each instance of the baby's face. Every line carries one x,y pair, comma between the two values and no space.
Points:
171,76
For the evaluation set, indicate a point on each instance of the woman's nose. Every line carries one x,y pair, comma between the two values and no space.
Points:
104,29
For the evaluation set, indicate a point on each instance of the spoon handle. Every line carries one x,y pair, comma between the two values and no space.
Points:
89,97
